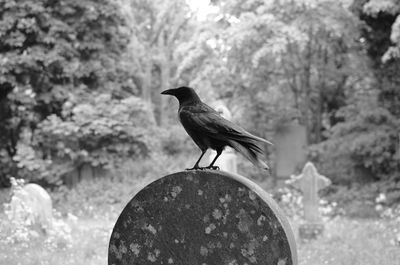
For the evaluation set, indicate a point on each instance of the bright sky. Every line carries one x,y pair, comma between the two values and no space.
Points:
202,8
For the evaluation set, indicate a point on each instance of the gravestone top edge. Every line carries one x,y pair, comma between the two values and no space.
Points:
262,194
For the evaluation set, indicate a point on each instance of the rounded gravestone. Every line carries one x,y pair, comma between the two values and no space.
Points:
202,218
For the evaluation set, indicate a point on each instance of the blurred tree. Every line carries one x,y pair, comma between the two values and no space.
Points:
49,50
365,146
157,28
264,52
382,39
202,59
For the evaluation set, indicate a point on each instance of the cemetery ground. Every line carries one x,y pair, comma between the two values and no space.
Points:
87,213
346,241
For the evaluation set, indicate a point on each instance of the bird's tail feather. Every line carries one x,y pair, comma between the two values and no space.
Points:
247,137
249,149
261,139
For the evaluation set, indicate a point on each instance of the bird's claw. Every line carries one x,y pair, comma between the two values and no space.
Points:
203,168
195,168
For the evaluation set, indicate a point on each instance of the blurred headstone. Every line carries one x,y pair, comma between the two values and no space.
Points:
84,172
227,160
310,182
32,204
202,217
290,143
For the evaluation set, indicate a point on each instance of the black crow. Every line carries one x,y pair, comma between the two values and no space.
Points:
209,130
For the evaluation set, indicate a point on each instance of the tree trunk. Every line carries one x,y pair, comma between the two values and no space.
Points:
165,66
146,90
165,71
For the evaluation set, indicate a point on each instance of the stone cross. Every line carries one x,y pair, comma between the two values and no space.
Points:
202,217
310,182
227,161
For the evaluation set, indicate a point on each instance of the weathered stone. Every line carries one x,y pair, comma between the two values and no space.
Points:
202,217
290,142
310,182
31,203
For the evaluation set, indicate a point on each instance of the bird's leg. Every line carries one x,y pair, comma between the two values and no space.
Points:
196,166
211,166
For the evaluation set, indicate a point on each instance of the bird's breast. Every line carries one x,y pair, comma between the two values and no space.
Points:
192,130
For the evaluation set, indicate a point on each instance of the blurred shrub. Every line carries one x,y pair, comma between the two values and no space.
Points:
290,201
106,197
362,154
100,131
7,169
357,201
51,50
364,146
175,140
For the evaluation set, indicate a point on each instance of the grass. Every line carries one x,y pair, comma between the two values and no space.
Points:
89,246
357,242
345,241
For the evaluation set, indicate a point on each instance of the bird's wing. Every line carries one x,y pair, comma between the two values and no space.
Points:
204,120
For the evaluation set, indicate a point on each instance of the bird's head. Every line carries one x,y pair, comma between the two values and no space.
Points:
183,94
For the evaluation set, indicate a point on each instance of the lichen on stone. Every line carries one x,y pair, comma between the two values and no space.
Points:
135,248
217,214
150,228
118,251
245,222
233,262
210,228
175,191
252,195
282,261
151,257
260,220
203,251
206,219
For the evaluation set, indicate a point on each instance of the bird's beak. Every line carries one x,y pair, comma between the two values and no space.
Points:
168,92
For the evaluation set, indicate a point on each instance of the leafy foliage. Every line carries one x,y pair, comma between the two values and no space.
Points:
48,51
102,132
365,145
259,54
